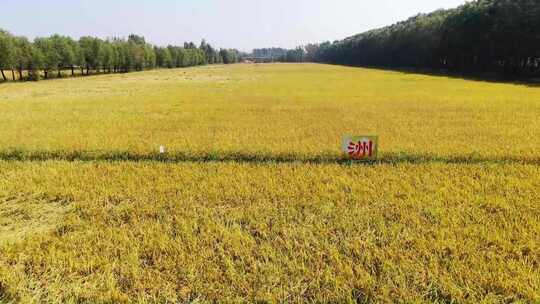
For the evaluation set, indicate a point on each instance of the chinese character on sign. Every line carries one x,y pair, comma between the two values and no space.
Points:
360,147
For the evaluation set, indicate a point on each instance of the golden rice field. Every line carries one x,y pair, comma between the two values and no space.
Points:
253,201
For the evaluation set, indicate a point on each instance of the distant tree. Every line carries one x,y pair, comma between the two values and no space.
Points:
22,55
270,54
77,53
90,47
63,49
182,57
120,55
136,39
107,56
7,52
37,62
189,45
210,54
126,57
136,55
229,56
51,56
174,52
296,55
163,57
312,52
149,57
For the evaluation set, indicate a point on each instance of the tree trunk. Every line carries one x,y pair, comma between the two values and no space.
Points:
72,71
13,73
20,74
59,73
46,73
3,76
82,71
87,70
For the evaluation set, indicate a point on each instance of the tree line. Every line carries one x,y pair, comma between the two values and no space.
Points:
279,54
42,57
269,53
480,37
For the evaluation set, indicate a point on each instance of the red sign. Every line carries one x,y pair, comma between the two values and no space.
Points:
361,147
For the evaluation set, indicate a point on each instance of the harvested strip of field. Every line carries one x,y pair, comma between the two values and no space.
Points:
253,202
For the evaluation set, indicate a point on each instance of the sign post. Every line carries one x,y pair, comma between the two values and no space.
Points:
360,148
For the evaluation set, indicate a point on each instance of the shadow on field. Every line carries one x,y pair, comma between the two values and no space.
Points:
255,158
490,78
533,82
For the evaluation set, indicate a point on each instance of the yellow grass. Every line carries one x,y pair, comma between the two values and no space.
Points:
253,202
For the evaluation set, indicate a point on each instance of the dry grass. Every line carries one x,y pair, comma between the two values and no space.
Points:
253,201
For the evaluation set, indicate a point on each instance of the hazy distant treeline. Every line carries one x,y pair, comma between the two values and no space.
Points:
272,53
43,56
484,36
279,54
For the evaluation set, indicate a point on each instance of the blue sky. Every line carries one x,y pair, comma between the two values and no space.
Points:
243,24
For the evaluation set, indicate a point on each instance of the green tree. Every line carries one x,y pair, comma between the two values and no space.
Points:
22,55
7,52
51,56
36,63
229,56
78,56
163,57
149,57
107,56
182,57
90,47
63,47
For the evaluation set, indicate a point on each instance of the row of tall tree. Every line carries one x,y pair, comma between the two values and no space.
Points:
56,53
269,54
482,36
278,54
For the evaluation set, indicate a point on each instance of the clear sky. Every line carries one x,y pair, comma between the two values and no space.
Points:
242,24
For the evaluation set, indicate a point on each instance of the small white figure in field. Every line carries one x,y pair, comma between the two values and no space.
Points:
162,150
